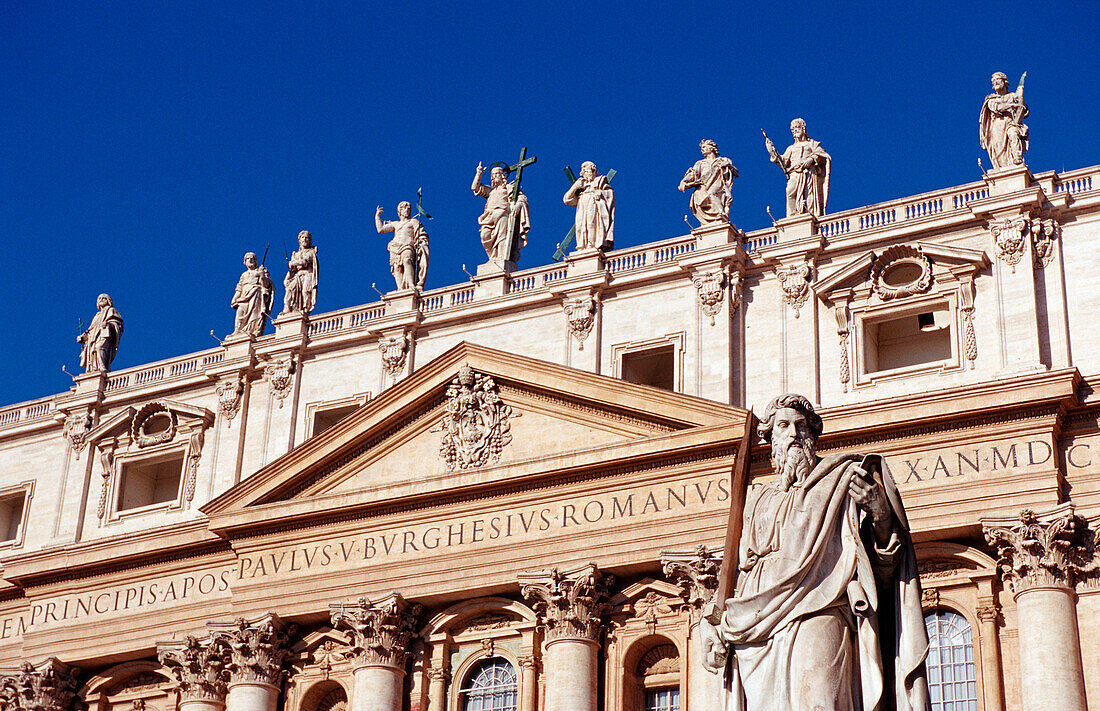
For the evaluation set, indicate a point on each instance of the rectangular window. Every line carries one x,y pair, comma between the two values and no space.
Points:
325,419
904,341
150,481
11,516
667,699
654,366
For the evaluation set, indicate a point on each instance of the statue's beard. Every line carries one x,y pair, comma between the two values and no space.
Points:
793,459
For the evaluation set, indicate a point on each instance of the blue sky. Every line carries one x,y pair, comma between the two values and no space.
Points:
146,146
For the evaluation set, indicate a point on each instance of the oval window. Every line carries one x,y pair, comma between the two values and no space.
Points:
902,273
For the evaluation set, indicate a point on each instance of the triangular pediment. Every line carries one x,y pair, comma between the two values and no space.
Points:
858,271
474,418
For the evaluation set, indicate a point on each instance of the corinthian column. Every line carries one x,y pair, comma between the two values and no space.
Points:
1042,555
49,686
696,572
380,634
570,606
200,671
257,649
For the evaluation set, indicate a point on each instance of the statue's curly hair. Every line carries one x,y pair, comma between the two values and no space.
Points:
792,400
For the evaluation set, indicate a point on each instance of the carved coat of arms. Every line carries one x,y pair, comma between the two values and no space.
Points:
711,287
794,279
476,425
1008,237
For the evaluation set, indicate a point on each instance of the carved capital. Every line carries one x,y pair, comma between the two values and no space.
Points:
199,667
441,675
280,378
696,572
230,393
394,352
794,280
1054,548
529,661
711,290
257,648
49,686
580,317
987,613
380,631
570,604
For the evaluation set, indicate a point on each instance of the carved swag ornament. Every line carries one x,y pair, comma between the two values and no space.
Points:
711,288
1056,548
49,687
570,605
794,280
380,631
580,316
476,424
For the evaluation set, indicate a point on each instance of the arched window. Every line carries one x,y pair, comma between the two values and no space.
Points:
491,686
951,675
659,672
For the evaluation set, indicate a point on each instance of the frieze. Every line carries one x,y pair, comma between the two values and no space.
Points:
935,569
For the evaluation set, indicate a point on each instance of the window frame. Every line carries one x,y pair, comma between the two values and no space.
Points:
974,661
124,459
26,489
315,408
676,340
868,315
464,688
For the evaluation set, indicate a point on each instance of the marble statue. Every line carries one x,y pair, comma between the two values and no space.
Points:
712,177
826,611
1000,123
408,248
807,168
504,226
594,199
301,277
253,298
100,340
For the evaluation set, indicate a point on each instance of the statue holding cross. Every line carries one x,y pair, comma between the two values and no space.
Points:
506,220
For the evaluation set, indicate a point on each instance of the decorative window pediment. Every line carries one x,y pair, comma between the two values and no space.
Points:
904,310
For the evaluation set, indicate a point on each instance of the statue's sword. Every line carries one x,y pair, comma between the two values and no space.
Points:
727,574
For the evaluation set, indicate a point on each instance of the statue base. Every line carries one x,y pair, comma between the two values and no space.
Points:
584,261
292,325
1013,179
494,267
401,301
715,234
91,383
238,345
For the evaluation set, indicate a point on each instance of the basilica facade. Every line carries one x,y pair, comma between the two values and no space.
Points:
513,493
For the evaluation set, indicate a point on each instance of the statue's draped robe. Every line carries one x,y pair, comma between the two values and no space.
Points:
301,282
823,617
252,299
595,219
1000,130
494,222
808,167
101,341
410,239
713,179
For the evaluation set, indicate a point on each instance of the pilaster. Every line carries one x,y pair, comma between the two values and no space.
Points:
49,686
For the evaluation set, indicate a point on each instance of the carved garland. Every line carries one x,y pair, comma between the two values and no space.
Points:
711,287
901,271
794,280
580,317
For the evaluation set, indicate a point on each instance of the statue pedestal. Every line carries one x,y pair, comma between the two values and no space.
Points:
292,325
1002,181
494,267
491,279
238,346
401,301
90,384
587,261
715,234
799,227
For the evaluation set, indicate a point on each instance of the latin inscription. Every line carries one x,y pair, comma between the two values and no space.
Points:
983,459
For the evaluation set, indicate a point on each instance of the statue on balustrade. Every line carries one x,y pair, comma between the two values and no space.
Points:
826,611
504,224
594,199
1000,123
408,248
712,177
301,277
807,168
100,340
253,298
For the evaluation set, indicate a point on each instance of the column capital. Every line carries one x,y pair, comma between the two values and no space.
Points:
1055,548
695,571
49,686
570,604
381,631
199,666
256,647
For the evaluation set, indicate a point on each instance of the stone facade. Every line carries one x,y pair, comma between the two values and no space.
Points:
299,520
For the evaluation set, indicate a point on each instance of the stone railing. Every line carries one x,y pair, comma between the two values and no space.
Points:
26,412
1079,181
630,259
163,370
